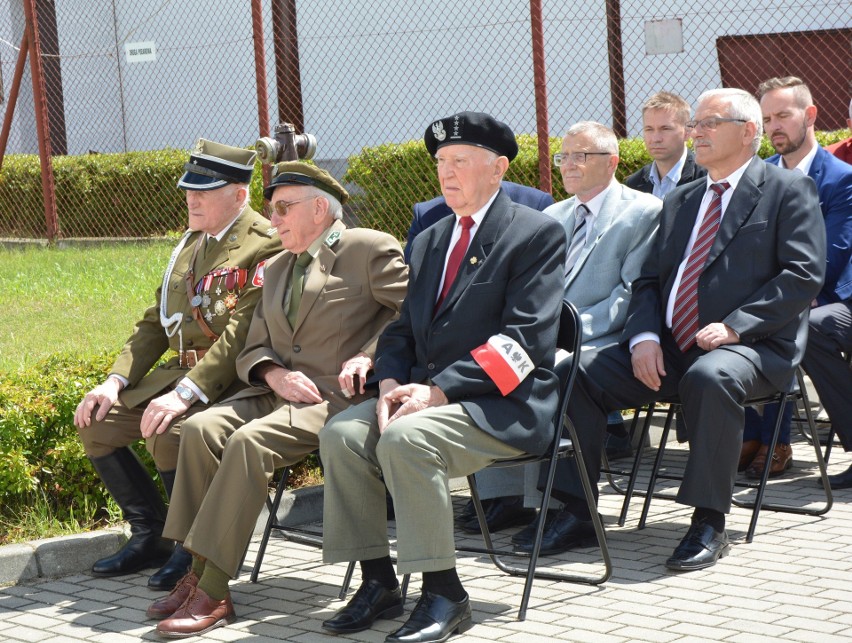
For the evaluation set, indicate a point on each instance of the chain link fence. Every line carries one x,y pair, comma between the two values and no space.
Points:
130,86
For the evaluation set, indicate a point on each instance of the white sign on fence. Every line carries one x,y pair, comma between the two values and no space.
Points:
140,52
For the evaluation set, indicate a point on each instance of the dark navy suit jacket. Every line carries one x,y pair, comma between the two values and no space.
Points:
641,179
510,282
428,212
833,179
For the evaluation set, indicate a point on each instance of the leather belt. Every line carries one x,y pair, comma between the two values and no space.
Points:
188,359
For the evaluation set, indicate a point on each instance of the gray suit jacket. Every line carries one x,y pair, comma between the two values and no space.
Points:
599,284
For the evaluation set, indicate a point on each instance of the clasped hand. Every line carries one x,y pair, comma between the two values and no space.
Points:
396,400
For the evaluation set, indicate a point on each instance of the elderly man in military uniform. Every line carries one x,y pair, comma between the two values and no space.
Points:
200,318
309,350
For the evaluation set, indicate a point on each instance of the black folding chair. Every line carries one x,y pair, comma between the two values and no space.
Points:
569,339
797,392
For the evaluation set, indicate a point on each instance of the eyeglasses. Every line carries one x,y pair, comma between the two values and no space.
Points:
712,122
577,158
281,207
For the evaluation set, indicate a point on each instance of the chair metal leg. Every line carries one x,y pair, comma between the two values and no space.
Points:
634,471
270,523
814,439
655,471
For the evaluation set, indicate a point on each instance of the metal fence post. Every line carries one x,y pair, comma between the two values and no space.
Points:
540,83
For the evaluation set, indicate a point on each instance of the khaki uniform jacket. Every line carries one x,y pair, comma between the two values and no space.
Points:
250,241
353,288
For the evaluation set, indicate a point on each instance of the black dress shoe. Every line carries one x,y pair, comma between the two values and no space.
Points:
468,512
434,619
176,567
138,553
525,536
501,514
618,446
564,532
841,480
371,602
701,547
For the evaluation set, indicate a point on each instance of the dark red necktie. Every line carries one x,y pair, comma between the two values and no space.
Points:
456,256
685,312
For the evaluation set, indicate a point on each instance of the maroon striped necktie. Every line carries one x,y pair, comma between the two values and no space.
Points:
456,256
685,313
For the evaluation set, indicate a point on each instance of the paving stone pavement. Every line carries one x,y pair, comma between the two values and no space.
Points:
792,583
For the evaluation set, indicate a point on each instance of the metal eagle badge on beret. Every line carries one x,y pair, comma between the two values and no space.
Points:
438,131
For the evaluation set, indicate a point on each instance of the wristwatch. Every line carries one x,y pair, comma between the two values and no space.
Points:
185,393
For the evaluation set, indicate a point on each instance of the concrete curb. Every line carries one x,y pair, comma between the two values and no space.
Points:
66,555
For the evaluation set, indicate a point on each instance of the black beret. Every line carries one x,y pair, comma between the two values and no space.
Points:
472,128
298,173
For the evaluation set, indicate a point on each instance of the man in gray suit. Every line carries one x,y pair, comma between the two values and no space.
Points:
611,229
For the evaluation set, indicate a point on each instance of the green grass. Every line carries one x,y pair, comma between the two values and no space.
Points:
75,300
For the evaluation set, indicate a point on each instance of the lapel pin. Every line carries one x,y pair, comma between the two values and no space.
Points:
232,238
473,261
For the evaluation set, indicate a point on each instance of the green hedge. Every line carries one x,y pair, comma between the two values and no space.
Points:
100,195
392,177
42,457
135,194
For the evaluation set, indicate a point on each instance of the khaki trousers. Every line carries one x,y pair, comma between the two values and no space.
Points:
120,428
416,456
227,457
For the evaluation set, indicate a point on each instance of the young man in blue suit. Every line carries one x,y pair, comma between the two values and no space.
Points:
718,313
788,119
427,213
465,378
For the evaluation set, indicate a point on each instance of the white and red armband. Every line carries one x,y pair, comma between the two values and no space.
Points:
504,361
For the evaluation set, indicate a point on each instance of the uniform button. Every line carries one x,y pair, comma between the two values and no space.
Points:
430,366
189,318
297,349
189,342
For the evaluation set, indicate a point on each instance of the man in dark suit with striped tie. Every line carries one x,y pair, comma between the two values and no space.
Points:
718,313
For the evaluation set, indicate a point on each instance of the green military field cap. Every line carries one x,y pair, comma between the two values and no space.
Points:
212,165
298,173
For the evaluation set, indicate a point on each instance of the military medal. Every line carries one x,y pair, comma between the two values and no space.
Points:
208,316
219,308
230,300
205,300
195,302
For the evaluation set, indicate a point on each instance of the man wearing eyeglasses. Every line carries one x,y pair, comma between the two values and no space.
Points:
200,319
718,314
611,229
307,356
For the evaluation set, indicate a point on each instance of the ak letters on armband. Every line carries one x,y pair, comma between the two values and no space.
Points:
504,361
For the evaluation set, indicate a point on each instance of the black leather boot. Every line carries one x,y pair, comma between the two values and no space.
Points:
180,561
135,492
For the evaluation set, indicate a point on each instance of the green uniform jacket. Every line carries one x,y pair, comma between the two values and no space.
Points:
250,241
354,287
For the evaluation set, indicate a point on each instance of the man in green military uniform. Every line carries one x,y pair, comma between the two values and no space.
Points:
309,349
201,317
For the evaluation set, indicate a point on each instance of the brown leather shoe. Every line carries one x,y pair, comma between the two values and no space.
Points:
782,459
198,615
168,605
747,453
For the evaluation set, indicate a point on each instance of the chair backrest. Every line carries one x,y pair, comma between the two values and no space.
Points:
570,339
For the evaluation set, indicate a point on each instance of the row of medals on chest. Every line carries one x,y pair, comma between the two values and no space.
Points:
231,279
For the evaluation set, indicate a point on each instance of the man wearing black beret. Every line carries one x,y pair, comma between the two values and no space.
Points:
465,379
